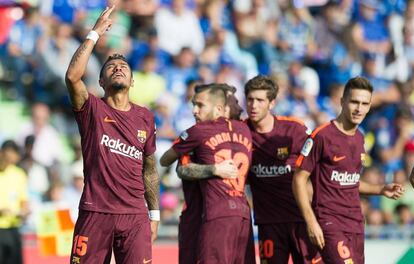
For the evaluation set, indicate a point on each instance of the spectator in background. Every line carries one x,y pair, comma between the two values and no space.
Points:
175,21
184,118
56,55
73,192
391,138
47,137
149,45
370,32
180,72
148,85
38,180
13,203
23,45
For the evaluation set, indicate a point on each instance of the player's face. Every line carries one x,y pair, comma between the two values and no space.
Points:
117,75
356,105
203,107
258,105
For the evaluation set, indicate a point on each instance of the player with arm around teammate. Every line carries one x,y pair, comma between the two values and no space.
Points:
225,226
118,145
332,157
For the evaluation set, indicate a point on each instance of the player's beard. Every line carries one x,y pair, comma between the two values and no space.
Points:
118,86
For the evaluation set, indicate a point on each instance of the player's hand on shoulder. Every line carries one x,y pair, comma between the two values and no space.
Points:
104,23
393,191
226,169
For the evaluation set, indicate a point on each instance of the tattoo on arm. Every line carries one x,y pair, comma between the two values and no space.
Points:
194,171
151,183
79,52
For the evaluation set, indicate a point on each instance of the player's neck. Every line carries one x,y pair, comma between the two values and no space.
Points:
118,101
265,125
345,126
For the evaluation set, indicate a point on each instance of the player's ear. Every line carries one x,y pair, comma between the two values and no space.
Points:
272,104
101,83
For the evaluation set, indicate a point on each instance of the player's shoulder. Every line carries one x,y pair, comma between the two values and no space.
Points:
142,110
322,130
290,120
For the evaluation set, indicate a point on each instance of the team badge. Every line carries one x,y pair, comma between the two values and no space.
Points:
142,135
282,153
307,147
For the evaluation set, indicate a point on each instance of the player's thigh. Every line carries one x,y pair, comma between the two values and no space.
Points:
302,250
244,243
274,244
188,234
92,238
132,241
219,241
342,248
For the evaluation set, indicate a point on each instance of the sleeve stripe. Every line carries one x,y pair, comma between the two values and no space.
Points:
292,119
318,129
299,161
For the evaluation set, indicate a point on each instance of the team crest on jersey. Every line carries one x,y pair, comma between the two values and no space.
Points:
282,153
307,147
142,135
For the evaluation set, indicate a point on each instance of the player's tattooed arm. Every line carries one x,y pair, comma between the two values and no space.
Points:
194,171
151,182
77,67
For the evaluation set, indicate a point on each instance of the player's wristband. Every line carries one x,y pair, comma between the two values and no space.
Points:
154,215
93,35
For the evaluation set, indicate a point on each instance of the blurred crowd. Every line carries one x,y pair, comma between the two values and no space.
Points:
309,47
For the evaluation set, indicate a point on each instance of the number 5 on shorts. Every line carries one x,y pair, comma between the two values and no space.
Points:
80,245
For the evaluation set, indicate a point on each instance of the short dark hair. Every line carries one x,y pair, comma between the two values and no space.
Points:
115,56
217,91
10,145
262,82
357,83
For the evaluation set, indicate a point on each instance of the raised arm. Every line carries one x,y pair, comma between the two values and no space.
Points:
300,191
152,192
77,67
194,171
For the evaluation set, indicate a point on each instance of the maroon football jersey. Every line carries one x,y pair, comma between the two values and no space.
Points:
114,144
334,160
270,176
212,142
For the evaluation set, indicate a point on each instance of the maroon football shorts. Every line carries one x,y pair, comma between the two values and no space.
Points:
224,240
96,234
188,241
343,248
279,241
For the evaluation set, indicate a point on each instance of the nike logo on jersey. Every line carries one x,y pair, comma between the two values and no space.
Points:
336,158
147,261
108,120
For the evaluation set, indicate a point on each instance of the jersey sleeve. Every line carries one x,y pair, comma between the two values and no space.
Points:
311,153
150,145
188,141
84,115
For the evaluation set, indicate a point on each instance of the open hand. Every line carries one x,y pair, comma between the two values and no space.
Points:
226,169
393,191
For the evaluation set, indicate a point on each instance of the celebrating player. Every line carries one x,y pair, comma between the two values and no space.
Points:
225,229
118,145
332,157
